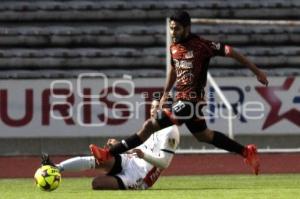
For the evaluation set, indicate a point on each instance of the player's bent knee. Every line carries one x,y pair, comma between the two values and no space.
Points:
204,136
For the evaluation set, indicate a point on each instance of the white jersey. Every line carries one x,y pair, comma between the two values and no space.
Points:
137,173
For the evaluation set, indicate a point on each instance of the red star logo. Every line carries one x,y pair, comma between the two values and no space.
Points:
268,93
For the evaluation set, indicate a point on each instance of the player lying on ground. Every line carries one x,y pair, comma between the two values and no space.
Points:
138,169
190,56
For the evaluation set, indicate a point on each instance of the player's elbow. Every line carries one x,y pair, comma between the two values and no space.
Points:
163,164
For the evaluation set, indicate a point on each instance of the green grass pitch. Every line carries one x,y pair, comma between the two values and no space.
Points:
176,187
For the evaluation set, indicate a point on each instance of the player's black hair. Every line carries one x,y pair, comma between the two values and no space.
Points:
182,17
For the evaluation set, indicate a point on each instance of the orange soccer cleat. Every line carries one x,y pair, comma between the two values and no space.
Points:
101,154
251,158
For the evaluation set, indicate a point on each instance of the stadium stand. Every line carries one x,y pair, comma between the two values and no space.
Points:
60,38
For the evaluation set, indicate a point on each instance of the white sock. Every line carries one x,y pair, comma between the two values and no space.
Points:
77,164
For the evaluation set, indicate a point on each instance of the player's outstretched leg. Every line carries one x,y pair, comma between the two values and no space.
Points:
45,160
251,158
100,154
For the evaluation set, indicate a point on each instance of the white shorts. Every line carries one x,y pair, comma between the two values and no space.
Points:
133,172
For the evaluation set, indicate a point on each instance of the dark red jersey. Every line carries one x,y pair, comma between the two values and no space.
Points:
191,59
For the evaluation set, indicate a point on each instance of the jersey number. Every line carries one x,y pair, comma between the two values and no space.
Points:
179,106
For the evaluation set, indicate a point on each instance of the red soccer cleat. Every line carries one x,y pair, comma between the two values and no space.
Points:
251,158
101,154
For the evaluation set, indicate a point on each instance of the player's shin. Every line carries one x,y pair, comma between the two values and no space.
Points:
149,127
126,144
222,141
77,164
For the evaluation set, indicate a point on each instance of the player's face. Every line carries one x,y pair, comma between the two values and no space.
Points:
178,32
154,108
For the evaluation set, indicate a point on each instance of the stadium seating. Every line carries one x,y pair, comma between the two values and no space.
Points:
138,10
124,35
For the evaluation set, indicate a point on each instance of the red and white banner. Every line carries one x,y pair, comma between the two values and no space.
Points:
259,110
93,105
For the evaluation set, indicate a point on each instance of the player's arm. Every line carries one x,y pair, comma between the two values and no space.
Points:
162,161
167,150
170,80
110,142
260,75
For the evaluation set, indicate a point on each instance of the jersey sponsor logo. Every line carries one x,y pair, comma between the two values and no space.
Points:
152,176
185,78
174,51
183,64
172,143
184,71
189,55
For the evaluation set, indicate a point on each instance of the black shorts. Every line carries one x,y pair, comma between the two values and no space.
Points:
183,112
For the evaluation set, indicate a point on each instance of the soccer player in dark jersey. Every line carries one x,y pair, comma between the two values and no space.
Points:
190,56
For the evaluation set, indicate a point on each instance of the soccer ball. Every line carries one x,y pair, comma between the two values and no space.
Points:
47,178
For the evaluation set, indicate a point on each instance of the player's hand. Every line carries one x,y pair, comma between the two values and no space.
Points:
262,78
139,153
110,142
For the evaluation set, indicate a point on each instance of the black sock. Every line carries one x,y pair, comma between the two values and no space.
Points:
125,145
222,141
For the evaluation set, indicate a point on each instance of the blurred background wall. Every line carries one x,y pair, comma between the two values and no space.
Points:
43,41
